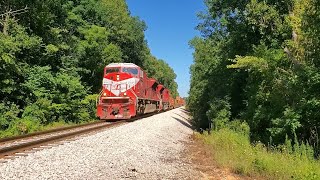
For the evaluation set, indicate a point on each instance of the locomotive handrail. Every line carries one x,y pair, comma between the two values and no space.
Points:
135,96
115,97
97,99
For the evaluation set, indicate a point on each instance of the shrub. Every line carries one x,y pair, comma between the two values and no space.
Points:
232,149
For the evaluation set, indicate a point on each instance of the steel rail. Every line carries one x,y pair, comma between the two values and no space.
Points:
11,150
15,138
71,132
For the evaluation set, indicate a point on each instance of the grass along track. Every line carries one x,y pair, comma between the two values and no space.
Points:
23,145
30,135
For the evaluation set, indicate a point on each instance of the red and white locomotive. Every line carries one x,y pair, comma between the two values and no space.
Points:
128,92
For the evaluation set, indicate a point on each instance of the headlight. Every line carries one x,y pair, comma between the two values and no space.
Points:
118,77
125,94
104,94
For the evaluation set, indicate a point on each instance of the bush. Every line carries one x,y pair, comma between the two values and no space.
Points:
24,126
233,150
89,103
8,113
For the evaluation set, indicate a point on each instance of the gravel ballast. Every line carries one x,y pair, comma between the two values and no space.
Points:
150,148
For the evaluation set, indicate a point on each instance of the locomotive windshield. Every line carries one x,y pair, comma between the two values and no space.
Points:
133,71
111,70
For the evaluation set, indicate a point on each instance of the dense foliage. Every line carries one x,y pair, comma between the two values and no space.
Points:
52,55
231,149
258,61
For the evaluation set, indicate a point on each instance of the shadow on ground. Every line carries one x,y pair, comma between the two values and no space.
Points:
183,120
185,111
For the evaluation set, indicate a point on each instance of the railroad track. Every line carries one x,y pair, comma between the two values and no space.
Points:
23,145
13,147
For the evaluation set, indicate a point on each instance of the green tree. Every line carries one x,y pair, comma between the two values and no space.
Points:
259,61
52,55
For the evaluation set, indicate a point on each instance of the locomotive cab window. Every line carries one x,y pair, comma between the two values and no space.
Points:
111,70
133,71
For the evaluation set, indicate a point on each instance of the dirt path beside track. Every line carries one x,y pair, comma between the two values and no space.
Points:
200,156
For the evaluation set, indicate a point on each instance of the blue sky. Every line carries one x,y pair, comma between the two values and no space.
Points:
171,25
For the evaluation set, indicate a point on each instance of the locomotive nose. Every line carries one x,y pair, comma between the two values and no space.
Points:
115,110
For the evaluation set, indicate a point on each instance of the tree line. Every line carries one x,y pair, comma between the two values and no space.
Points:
258,62
52,55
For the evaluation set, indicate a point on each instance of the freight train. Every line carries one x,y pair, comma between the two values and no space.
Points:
127,92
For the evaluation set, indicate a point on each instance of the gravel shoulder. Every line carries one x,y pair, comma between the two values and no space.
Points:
151,148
